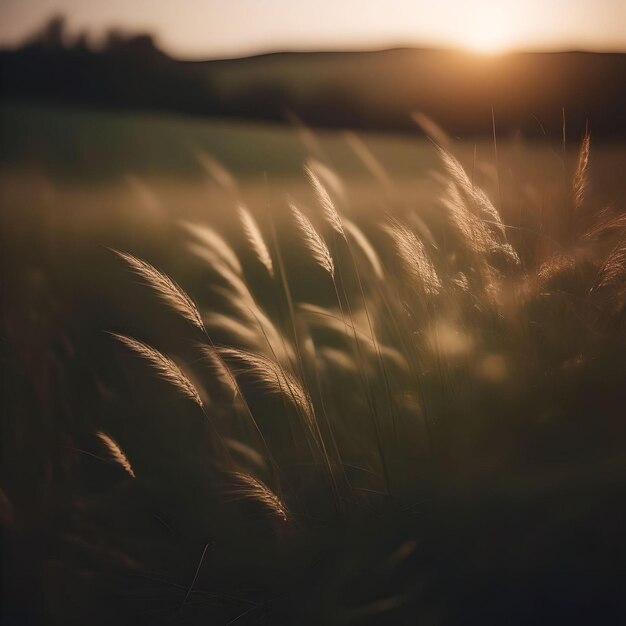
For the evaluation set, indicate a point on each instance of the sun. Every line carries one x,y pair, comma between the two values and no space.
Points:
485,43
489,32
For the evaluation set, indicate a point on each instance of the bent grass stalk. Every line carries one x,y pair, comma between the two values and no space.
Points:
324,255
334,219
212,352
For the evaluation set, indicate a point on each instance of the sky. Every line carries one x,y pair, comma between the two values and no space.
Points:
216,28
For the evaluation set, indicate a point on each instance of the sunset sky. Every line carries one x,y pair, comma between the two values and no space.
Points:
208,28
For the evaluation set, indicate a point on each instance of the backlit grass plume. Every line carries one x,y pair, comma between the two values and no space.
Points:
247,487
414,258
313,241
255,239
481,234
474,197
272,377
214,244
473,213
328,207
163,366
116,453
165,288
613,271
580,177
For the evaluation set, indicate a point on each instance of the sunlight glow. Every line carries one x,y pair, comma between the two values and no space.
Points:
201,28
491,32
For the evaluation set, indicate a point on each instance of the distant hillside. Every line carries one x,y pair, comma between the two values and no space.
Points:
381,89
378,90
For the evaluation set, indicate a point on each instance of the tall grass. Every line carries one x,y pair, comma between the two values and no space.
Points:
431,357
445,312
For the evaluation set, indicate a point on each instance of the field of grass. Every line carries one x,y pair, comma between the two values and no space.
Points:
256,375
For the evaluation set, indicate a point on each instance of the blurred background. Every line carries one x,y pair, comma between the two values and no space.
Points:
96,92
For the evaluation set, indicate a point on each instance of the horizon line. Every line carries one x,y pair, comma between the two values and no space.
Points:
391,46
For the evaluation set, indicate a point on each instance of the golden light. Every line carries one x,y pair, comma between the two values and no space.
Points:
490,32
